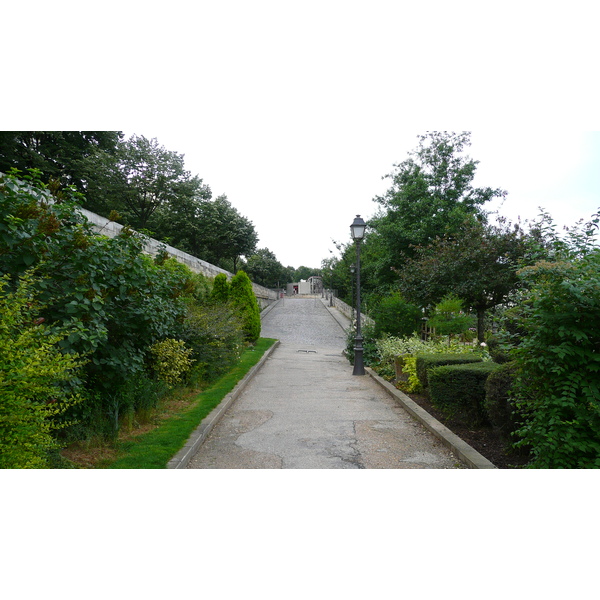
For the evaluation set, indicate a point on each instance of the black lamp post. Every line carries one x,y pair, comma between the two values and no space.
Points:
357,230
353,271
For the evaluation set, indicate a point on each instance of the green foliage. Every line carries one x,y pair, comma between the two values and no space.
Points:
264,269
409,367
449,318
215,334
395,316
389,349
244,301
154,449
499,406
221,289
431,195
370,354
459,390
37,382
478,265
426,362
114,301
558,362
171,360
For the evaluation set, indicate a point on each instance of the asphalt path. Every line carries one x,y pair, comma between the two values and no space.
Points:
305,410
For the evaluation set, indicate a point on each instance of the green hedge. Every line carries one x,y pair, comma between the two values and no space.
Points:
459,390
498,406
425,362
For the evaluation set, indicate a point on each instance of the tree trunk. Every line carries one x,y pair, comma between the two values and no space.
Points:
480,324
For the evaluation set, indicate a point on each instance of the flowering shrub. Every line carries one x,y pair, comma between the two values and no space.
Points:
389,347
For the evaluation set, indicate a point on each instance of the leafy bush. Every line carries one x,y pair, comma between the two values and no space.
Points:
559,362
114,301
216,337
243,299
459,390
425,362
498,351
499,407
370,354
171,360
449,318
221,289
395,316
37,382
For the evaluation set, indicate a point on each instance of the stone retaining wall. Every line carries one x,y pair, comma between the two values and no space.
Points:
350,312
152,247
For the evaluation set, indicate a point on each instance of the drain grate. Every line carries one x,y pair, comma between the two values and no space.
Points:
307,351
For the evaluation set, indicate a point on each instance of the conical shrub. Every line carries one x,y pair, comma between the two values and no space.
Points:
243,298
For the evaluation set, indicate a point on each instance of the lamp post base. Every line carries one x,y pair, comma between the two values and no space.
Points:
359,366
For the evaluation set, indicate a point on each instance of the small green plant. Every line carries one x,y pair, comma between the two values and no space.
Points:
449,317
171,360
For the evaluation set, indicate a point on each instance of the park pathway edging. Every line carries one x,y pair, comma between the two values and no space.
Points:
466,453
196,439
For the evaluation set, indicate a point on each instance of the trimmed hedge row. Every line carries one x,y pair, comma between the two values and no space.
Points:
425,362
459,390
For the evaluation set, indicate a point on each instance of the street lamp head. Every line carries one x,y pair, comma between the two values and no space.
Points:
357,229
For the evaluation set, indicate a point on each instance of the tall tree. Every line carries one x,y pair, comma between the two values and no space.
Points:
264,268
479,266
431,195
59,155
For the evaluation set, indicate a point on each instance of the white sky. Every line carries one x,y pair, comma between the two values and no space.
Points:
296,111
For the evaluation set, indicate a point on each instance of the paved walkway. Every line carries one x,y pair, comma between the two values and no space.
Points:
305,410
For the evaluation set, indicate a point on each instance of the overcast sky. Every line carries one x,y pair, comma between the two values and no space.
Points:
296,111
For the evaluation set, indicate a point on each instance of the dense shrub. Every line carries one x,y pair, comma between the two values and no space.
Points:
499,407
395,316
243,299
459,390
370,353
449,317
216,336
114,302
425,362
221,289
559,363
498,350
37,382
171,360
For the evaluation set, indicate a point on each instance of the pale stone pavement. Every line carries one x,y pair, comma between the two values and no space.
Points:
305,410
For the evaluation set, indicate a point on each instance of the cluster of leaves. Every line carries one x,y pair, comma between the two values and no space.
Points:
38,383
558,360
104,299
171,360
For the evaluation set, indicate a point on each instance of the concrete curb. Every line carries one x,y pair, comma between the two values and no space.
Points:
196,439
340,319
465,453
269,308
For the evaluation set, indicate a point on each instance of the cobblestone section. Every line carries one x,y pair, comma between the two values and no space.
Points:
304,321
305,410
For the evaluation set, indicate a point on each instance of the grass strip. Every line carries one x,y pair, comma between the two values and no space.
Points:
155,449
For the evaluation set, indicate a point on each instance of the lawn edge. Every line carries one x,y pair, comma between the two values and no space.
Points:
199,435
